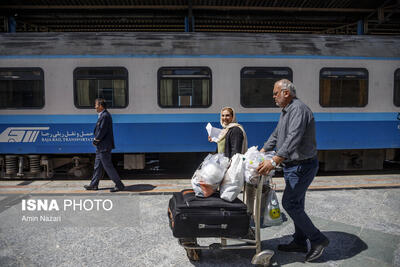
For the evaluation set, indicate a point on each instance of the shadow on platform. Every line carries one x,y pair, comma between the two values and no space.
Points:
133,188
139,188
342,246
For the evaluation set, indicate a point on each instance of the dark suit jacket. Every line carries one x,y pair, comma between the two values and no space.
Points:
104,132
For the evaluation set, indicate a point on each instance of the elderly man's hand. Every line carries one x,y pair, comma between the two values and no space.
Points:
265,167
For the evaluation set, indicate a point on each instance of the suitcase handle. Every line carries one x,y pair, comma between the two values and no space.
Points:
212,226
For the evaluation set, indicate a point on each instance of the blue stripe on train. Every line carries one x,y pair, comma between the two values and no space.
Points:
187,117
185,132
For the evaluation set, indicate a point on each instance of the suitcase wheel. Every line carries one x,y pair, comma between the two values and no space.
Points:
193,254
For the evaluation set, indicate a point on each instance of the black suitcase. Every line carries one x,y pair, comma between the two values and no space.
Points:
191,216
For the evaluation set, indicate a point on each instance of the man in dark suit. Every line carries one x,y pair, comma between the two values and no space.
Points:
104,142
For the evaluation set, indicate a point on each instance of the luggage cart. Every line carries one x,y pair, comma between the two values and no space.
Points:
262,257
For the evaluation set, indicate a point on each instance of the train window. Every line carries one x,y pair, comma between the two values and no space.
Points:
184,87
110,83
257,83
21,88
396,99
343,87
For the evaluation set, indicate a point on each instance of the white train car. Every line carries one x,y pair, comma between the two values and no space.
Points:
163,89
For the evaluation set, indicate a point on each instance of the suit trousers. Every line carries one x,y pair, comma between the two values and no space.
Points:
297,179
103,162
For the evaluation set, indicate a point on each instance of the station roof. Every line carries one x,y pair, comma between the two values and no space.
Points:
375,17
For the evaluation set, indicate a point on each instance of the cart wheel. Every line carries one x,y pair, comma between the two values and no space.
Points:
263,258
193,254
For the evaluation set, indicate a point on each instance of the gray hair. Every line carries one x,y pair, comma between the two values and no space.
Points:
287,85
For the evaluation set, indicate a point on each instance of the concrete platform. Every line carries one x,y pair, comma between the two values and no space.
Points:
363,225
167,186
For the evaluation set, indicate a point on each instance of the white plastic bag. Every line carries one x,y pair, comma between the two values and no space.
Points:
253,158
209,175
272,215
213,168
233,180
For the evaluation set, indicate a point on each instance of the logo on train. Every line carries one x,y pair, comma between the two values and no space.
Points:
21,134
31,134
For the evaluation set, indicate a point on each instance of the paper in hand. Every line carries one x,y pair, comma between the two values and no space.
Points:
213,132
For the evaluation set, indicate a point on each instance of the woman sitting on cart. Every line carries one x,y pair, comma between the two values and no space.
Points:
232,138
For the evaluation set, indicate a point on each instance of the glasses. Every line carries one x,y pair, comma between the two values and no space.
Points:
277,93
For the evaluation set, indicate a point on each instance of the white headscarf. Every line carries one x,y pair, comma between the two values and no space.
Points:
231,125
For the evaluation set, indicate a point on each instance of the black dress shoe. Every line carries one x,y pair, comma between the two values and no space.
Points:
293,247
117,188
91,187
317,250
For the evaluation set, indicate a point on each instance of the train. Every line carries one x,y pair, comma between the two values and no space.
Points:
163,88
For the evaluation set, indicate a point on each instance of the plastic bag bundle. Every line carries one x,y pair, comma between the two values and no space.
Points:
272,215
209,175
233,180
253,158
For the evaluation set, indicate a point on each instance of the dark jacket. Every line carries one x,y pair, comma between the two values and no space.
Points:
104,132
233,142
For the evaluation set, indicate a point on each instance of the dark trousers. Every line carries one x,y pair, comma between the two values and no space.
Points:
103,161
298,178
